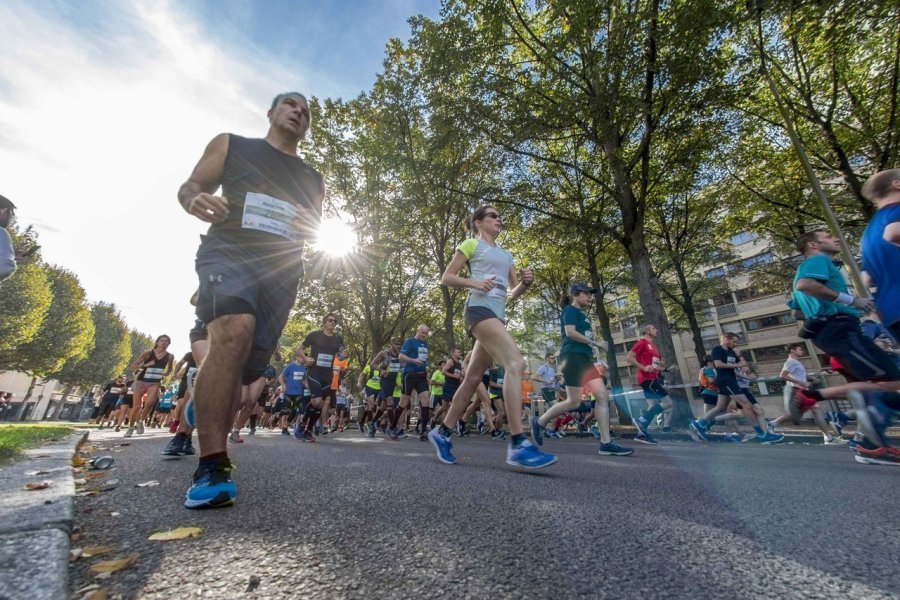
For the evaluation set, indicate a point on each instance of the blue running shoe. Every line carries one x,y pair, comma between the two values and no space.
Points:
442,446
613,449
528,456
852,445
646,439
641,425
770,438
212,487
189,413
595,431
537,431
371,430
698,431
732,437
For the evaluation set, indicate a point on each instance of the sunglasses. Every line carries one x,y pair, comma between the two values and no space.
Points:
492,215
331,320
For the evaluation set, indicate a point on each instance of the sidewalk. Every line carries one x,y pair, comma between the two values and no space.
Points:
35,525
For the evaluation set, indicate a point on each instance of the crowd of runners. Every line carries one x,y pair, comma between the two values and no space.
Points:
249,267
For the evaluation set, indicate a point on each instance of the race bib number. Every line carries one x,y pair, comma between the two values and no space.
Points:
298,375
116,390
394,367
655,362
325,360
423,353
153,374
265,213
732,360
499,381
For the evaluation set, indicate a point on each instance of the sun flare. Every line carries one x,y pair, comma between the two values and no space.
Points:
336,238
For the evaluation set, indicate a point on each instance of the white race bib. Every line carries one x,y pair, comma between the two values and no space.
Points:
423,353
265,213
655,362
298,375
394,367
153,374
325,360
499,381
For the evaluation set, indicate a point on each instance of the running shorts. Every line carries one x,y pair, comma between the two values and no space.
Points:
476,314
577,369
843,338
729,388
238,281
710,398
416,381
654,390
749,395
319,382
330,396
388,385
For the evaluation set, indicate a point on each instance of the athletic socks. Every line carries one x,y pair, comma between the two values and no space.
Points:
444,431
517,439
759,431
651,413
214,458
252,421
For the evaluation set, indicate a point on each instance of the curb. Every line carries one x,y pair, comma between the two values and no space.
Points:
35,525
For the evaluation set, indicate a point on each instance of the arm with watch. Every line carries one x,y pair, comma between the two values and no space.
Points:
817,289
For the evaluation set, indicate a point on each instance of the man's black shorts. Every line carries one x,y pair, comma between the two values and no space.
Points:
653,389
318,382
843,338
234,280
388,385
329,395
728,388
416,381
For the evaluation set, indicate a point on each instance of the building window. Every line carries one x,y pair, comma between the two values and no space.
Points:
723,299
619,348
715,273
617,303
768,321
748,294
742,238
770,353
758,260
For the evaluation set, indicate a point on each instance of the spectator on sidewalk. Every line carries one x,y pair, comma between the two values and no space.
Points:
7,253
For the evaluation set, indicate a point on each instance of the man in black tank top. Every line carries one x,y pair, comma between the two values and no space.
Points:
249,265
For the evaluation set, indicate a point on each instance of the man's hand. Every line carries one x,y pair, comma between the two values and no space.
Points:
208,208
526,276
866,305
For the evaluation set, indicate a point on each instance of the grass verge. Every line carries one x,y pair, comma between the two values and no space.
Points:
15,438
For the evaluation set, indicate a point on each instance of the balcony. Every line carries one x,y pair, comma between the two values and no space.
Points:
726,310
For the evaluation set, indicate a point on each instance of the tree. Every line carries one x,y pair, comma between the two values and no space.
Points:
66,333
25,300
109,356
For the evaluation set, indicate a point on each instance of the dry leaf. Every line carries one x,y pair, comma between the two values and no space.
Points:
148,483
99,594
95,474
80,481
175,534
75,553
111,566
38,485
96,551
41,472
75,537
78,461
106,575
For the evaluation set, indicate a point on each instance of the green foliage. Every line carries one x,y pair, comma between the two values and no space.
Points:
25,300
109,356
66,333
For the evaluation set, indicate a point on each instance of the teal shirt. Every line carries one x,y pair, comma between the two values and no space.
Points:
574,316
820,268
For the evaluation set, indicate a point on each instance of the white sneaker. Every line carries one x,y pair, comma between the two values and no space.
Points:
834,441
130,432
140,427
235,437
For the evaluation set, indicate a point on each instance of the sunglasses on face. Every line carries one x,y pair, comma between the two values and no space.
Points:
492,215
331,320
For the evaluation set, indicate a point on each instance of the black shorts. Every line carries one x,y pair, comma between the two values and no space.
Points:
746,392
548,394
235,281
842,338
577,369
653,389
294,401
710,399
341,409
371,392
330,396
729,388
128,400
182,388
164,409
416,381
446,395
388,385
476,314
198,332
319,382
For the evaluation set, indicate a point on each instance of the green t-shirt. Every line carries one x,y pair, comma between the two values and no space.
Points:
373,378
575,316
820,268
437,390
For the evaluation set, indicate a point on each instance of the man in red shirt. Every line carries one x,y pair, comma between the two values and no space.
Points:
645,358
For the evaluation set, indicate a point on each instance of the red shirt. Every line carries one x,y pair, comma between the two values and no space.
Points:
646,354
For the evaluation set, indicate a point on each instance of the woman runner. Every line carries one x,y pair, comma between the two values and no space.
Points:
491,273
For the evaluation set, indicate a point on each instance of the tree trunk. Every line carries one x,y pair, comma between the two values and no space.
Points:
449,334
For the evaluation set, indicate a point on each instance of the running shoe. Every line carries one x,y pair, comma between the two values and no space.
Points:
362,427
371,430
298,432
461,429
423,437
401,433
139,427
481,428
646,439
495,434
866,419
852,445
613,449
235,437
284,431
188,448
768,439
878,456
580,428
537,431
175,447
129,433
697,431
833,440
560,434
212,486
118,428
553,434
252,431
189,414
641,425
595,431
502,435
528,456
173,427
732,437
308,436
442,446
666,430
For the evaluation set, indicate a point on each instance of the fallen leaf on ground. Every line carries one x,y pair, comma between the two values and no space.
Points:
74,537
88,588
78,461
96,551
38,485
111,566
95,474
148,484
175,534
87,493
80,481
105,575
96,594
75,553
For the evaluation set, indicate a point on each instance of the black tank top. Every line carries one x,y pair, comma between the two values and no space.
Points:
153,373
266,189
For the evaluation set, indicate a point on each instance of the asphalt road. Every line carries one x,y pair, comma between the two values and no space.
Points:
358,518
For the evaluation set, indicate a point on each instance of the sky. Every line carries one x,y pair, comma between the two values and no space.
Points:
105,107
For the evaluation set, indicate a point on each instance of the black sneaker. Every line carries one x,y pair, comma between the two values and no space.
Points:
284,431
462,429
175,447
188,449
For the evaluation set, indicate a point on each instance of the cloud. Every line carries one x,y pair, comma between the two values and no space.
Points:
102,119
